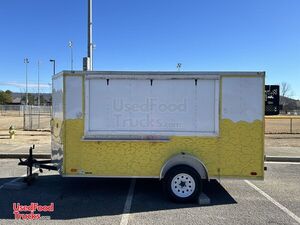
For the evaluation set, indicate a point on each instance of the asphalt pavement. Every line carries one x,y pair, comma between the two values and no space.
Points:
275,200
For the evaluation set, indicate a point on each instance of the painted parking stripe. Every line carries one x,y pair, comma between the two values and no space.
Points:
18,178
284,209
127,206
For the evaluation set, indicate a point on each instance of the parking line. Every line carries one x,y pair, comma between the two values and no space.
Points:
284,209
18,178
127,206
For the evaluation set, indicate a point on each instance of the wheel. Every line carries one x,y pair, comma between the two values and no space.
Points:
182,184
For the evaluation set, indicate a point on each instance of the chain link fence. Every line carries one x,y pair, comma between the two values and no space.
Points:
37,117
25,117
11,110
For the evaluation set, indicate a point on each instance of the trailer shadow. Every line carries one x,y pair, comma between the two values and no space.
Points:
81,198
149,196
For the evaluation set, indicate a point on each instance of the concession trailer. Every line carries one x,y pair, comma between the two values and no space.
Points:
180,127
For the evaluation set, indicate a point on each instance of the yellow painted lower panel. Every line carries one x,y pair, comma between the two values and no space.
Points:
237,152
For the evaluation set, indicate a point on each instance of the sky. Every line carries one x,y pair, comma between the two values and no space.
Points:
203,35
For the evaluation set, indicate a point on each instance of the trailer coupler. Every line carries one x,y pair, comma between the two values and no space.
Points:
31,162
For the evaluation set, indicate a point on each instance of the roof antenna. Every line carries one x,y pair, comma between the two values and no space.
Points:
179,66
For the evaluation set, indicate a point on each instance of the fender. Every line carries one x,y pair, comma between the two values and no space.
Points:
185,159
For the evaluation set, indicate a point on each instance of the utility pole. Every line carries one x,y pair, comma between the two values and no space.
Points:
39,100
26,61
88,61
52,61
90,35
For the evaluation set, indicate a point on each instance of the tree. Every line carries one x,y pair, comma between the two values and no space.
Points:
2,97
285,94
30,99
42,100
9,97
285,89
5,97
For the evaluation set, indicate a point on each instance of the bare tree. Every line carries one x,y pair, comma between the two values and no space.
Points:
285,89
285,92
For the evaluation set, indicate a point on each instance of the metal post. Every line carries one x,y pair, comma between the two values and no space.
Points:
38,83
53,61
30,159
24,119
90,35
26,85
54,68
71,50
291,125
39,99
26,61
30,117
72,59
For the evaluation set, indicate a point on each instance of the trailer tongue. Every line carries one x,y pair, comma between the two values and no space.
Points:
31,162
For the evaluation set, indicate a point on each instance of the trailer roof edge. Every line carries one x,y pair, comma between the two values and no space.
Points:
187,73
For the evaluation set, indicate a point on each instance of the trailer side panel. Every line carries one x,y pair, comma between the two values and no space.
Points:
235,150
57,136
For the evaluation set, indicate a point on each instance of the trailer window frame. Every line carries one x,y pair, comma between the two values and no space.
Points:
148,135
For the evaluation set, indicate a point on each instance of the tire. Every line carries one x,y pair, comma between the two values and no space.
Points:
182,184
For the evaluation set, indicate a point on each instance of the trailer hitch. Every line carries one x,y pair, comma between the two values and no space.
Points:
31,162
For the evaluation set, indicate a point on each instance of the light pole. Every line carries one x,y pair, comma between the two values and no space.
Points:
26,61
53,61
39,100
90,35
94,47
88,60
71,47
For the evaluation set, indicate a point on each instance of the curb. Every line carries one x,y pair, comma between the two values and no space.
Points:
24,155
269,158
